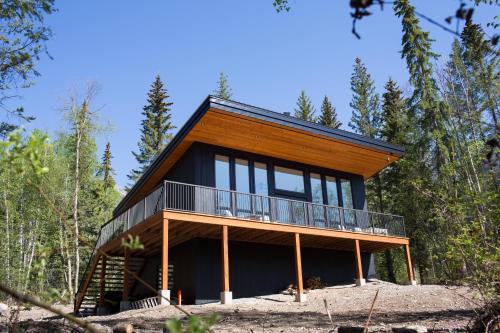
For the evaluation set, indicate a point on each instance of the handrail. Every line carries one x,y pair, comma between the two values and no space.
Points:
220,202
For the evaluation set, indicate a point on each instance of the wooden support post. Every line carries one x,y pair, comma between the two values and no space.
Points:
409,266
359,268
164,256
300,296
102,286
126,275
225,259
164,292
226,294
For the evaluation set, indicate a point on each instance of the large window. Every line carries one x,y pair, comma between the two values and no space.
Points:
331,191
289,179
345,185
261,186
222,179
316,188
242,176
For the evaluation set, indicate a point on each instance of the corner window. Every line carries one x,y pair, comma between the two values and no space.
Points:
222,179
289,179
345,185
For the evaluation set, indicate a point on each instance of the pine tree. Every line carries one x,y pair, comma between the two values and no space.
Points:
365,118
394,126
482,62
223,90
105,170
424,103
305,109
394,130
156,127
328,115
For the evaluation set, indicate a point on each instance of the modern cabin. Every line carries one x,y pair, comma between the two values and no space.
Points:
243,202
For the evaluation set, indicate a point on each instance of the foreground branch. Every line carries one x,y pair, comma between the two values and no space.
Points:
32,300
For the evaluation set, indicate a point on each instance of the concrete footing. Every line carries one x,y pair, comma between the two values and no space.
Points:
412,282
161,295
300,297
124,306
226,297
360,282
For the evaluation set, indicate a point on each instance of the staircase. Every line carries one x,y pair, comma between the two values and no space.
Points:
114,283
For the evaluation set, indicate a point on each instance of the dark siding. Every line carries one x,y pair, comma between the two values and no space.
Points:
262,269
184,170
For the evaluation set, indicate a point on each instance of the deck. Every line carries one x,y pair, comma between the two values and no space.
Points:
175,213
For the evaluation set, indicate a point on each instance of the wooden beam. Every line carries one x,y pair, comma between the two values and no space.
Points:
102,286
126,275
164,256
298,265
305,230
225,259
357,258
409,266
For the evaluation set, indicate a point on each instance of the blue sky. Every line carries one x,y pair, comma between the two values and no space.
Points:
268,57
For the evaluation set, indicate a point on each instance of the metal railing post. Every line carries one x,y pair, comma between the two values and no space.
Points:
164,194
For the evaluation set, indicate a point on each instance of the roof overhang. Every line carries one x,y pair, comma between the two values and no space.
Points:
243,127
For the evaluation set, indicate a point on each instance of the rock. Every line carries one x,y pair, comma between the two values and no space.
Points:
123,328
4,309
410,329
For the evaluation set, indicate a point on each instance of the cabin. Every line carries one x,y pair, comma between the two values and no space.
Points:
243,202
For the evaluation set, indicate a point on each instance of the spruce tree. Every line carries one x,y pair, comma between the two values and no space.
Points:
393,129
328,115
223,90
365,118
105,170
305,109
156,127
424,103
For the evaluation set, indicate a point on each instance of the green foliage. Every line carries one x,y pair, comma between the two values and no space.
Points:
23,35
365,102
328,115
195,324
37,186
132,243
305,109
156,128
223,90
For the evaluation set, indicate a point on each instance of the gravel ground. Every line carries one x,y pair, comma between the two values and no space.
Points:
432,306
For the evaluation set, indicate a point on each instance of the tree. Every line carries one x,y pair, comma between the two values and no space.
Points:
394,129
23,35
223,90
156,128
106,170
328,115
365,118
305,109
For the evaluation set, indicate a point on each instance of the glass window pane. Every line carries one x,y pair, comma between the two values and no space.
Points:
222,172
261,187
316,188
242,176
331,191
345,186
289,179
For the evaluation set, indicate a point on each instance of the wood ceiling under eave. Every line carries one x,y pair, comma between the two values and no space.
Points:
257,136
262,137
